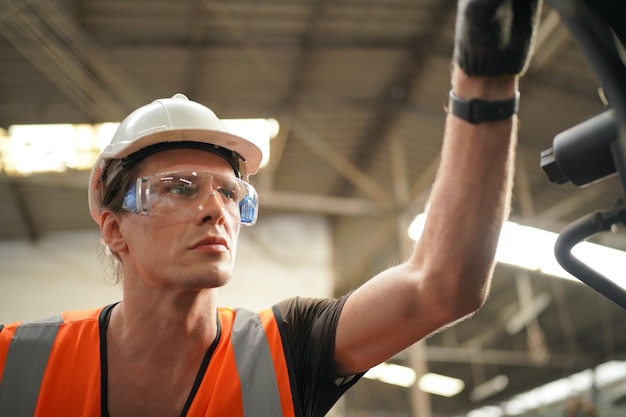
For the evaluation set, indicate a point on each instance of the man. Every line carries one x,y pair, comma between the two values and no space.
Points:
170,194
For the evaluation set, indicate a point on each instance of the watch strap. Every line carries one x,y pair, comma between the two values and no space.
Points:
478,110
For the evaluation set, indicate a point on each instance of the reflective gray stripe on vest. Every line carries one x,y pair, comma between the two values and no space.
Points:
31,345
259,388
25,365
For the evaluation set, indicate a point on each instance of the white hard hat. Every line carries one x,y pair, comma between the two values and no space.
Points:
154,124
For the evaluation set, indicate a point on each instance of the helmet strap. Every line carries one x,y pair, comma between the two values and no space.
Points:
231,157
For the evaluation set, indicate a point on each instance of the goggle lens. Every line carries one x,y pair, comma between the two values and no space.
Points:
185,193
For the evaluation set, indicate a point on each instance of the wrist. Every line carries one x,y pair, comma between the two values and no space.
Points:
485,88
480,110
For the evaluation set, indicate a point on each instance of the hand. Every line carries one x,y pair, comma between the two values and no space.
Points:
495,37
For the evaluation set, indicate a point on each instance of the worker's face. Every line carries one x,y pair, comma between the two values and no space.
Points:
190,248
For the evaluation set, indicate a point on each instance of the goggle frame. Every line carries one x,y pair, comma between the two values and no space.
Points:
141,198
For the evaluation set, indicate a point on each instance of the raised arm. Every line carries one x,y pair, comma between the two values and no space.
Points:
448,274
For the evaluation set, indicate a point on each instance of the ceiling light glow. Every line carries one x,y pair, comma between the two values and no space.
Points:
489,388
32,149
533,249
440,384
390,373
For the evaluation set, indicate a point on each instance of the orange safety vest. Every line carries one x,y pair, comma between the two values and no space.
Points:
52,368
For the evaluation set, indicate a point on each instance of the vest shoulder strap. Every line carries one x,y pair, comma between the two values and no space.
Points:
25,365
253,358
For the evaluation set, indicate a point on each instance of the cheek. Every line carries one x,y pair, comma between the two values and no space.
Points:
149,237
234,232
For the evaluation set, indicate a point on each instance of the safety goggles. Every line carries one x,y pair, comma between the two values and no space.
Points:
185,193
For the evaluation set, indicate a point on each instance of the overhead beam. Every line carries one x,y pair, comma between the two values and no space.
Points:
292,94
198,14
273,73
340,163
551,38
500,357
319,204
52,41
388,108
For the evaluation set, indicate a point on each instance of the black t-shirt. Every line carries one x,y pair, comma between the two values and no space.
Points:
308,326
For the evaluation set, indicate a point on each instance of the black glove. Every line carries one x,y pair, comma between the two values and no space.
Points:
495,37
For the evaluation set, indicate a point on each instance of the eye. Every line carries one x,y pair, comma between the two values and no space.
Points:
178,187
228,193
230,190
184,190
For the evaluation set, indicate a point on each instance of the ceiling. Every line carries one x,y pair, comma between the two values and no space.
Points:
359,88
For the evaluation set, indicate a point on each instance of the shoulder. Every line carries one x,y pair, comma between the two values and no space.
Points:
65,319
44,332
302,307
308,318
74,316
309,326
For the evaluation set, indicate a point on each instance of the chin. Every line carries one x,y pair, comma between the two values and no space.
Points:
216,283
213,279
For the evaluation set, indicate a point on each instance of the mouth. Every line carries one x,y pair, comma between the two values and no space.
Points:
212,244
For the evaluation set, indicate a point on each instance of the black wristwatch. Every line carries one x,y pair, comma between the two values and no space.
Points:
478,111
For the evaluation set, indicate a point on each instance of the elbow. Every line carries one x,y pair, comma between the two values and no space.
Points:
462,306
469,305
458,280
460,294
476,292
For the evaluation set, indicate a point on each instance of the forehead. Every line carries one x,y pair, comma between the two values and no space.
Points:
184,159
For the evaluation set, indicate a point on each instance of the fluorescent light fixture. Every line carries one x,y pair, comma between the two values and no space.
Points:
404,376
603,377
489,388
31,149
486,411
533,249
440,384
390,373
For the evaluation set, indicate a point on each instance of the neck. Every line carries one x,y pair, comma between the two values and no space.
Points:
154,327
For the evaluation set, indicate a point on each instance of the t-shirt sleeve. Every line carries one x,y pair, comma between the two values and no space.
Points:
308,327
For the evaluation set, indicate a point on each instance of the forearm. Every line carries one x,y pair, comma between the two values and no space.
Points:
448,275
470,198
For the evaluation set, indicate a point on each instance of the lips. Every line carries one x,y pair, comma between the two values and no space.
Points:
211,242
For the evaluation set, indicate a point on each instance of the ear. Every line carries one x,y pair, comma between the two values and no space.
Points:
111,232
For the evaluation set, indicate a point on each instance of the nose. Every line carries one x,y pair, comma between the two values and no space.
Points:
211,209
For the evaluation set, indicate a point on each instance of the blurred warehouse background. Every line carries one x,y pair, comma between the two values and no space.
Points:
349,96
